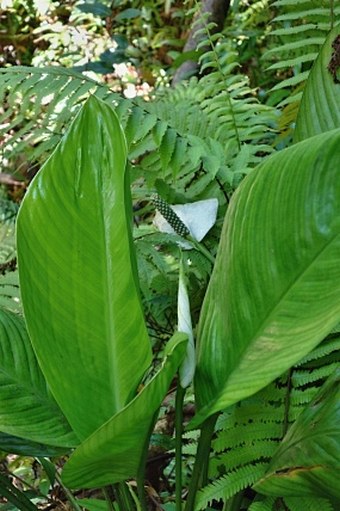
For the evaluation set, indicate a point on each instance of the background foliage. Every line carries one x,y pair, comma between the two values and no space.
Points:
189,142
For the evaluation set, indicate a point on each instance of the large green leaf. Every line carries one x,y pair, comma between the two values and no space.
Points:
78,273
114,452
308,459
27,408
320,105
16,445
274,292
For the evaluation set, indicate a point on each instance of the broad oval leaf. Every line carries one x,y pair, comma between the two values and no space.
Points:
308,459
78,273
27,408
319,109
274,292
114,452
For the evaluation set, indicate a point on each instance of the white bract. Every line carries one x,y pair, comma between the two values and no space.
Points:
199,217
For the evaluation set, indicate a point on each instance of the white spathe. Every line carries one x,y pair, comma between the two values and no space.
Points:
187,368
199,217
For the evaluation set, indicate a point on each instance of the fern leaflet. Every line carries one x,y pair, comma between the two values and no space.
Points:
228,485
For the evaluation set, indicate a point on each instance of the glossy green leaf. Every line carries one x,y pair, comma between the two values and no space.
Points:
17,445
274,292
319,108
308,459
113,453
78,274
26,407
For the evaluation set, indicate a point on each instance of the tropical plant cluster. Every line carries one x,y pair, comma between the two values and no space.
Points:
169,261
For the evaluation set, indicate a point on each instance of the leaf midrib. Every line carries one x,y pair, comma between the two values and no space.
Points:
109,327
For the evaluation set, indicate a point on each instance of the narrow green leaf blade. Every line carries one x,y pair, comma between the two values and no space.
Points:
113,453
274,292
26,407
78,273
319,109
308,459
15,496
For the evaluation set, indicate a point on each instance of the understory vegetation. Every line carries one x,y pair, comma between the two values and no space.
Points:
169,256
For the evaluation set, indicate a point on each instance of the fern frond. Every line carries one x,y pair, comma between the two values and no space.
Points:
261,450
228,485
251,431
189,439
10,292
7,243
200,265
302,397
47,98
9,296
307,376
245,434
158,276
200,138
190,449
222,129
302,28
307,504
37,105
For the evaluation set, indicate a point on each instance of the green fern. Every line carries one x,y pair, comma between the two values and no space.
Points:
37,105
158,276
158,255
209,133
183,138
249,433
227,486
9,280
7,244
302,27
189,440
204,160
8,212
200,138
10,292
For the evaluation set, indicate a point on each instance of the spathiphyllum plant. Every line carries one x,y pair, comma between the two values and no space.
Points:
75,371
